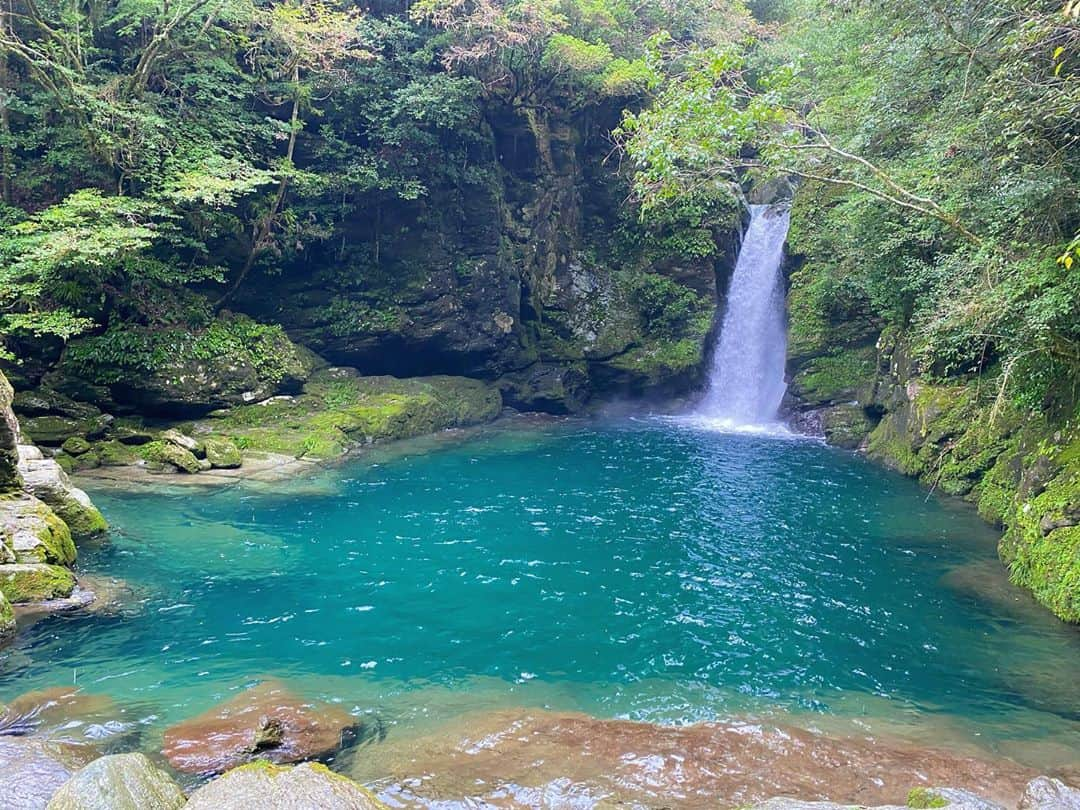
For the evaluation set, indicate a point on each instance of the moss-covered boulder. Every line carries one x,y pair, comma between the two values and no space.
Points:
35,582
54,429
846,425
273,787
33,533
231,361
44,401
114,453
340,409
119,782
45,479
189,443
222,454
75,446
547,387
164,455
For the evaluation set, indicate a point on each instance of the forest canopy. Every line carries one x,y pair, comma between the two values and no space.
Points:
155,154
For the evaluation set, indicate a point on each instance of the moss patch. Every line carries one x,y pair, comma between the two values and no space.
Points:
22,583
844,376
339,409
924,798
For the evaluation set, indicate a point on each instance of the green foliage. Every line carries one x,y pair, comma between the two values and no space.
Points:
667,306
939,173
124,352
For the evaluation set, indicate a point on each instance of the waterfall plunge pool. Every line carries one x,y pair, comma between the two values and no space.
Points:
643,569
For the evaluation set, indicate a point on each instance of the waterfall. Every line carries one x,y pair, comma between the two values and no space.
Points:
747,379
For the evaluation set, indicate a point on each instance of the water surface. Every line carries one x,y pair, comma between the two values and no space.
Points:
642,569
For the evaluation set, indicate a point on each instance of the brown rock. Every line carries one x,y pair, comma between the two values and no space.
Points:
265,722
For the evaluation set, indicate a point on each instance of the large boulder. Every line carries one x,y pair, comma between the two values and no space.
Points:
119,782
232,361
271,787
265,722
45,480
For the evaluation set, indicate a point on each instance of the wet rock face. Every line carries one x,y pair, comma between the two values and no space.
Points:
119,782
264,722
269,787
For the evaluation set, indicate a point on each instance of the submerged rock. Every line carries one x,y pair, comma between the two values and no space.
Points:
59,708
270,787
264,722
492,756
119,782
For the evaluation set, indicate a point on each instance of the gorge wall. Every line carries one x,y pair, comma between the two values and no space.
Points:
533,275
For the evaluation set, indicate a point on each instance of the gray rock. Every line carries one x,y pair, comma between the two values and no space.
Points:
193,446
119,782
30,532
32,770
273,787
1045,793
44,479
44,401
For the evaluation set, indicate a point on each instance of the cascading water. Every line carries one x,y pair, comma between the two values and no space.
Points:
747,379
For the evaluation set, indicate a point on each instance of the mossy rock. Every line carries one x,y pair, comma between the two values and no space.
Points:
340,409
34,532
846,426
846,375
231,361
222,453
165,453
1041,545
52,430
75,446
35,582
7,618
115,453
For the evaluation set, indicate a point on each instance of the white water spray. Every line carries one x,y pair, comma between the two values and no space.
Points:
747,379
